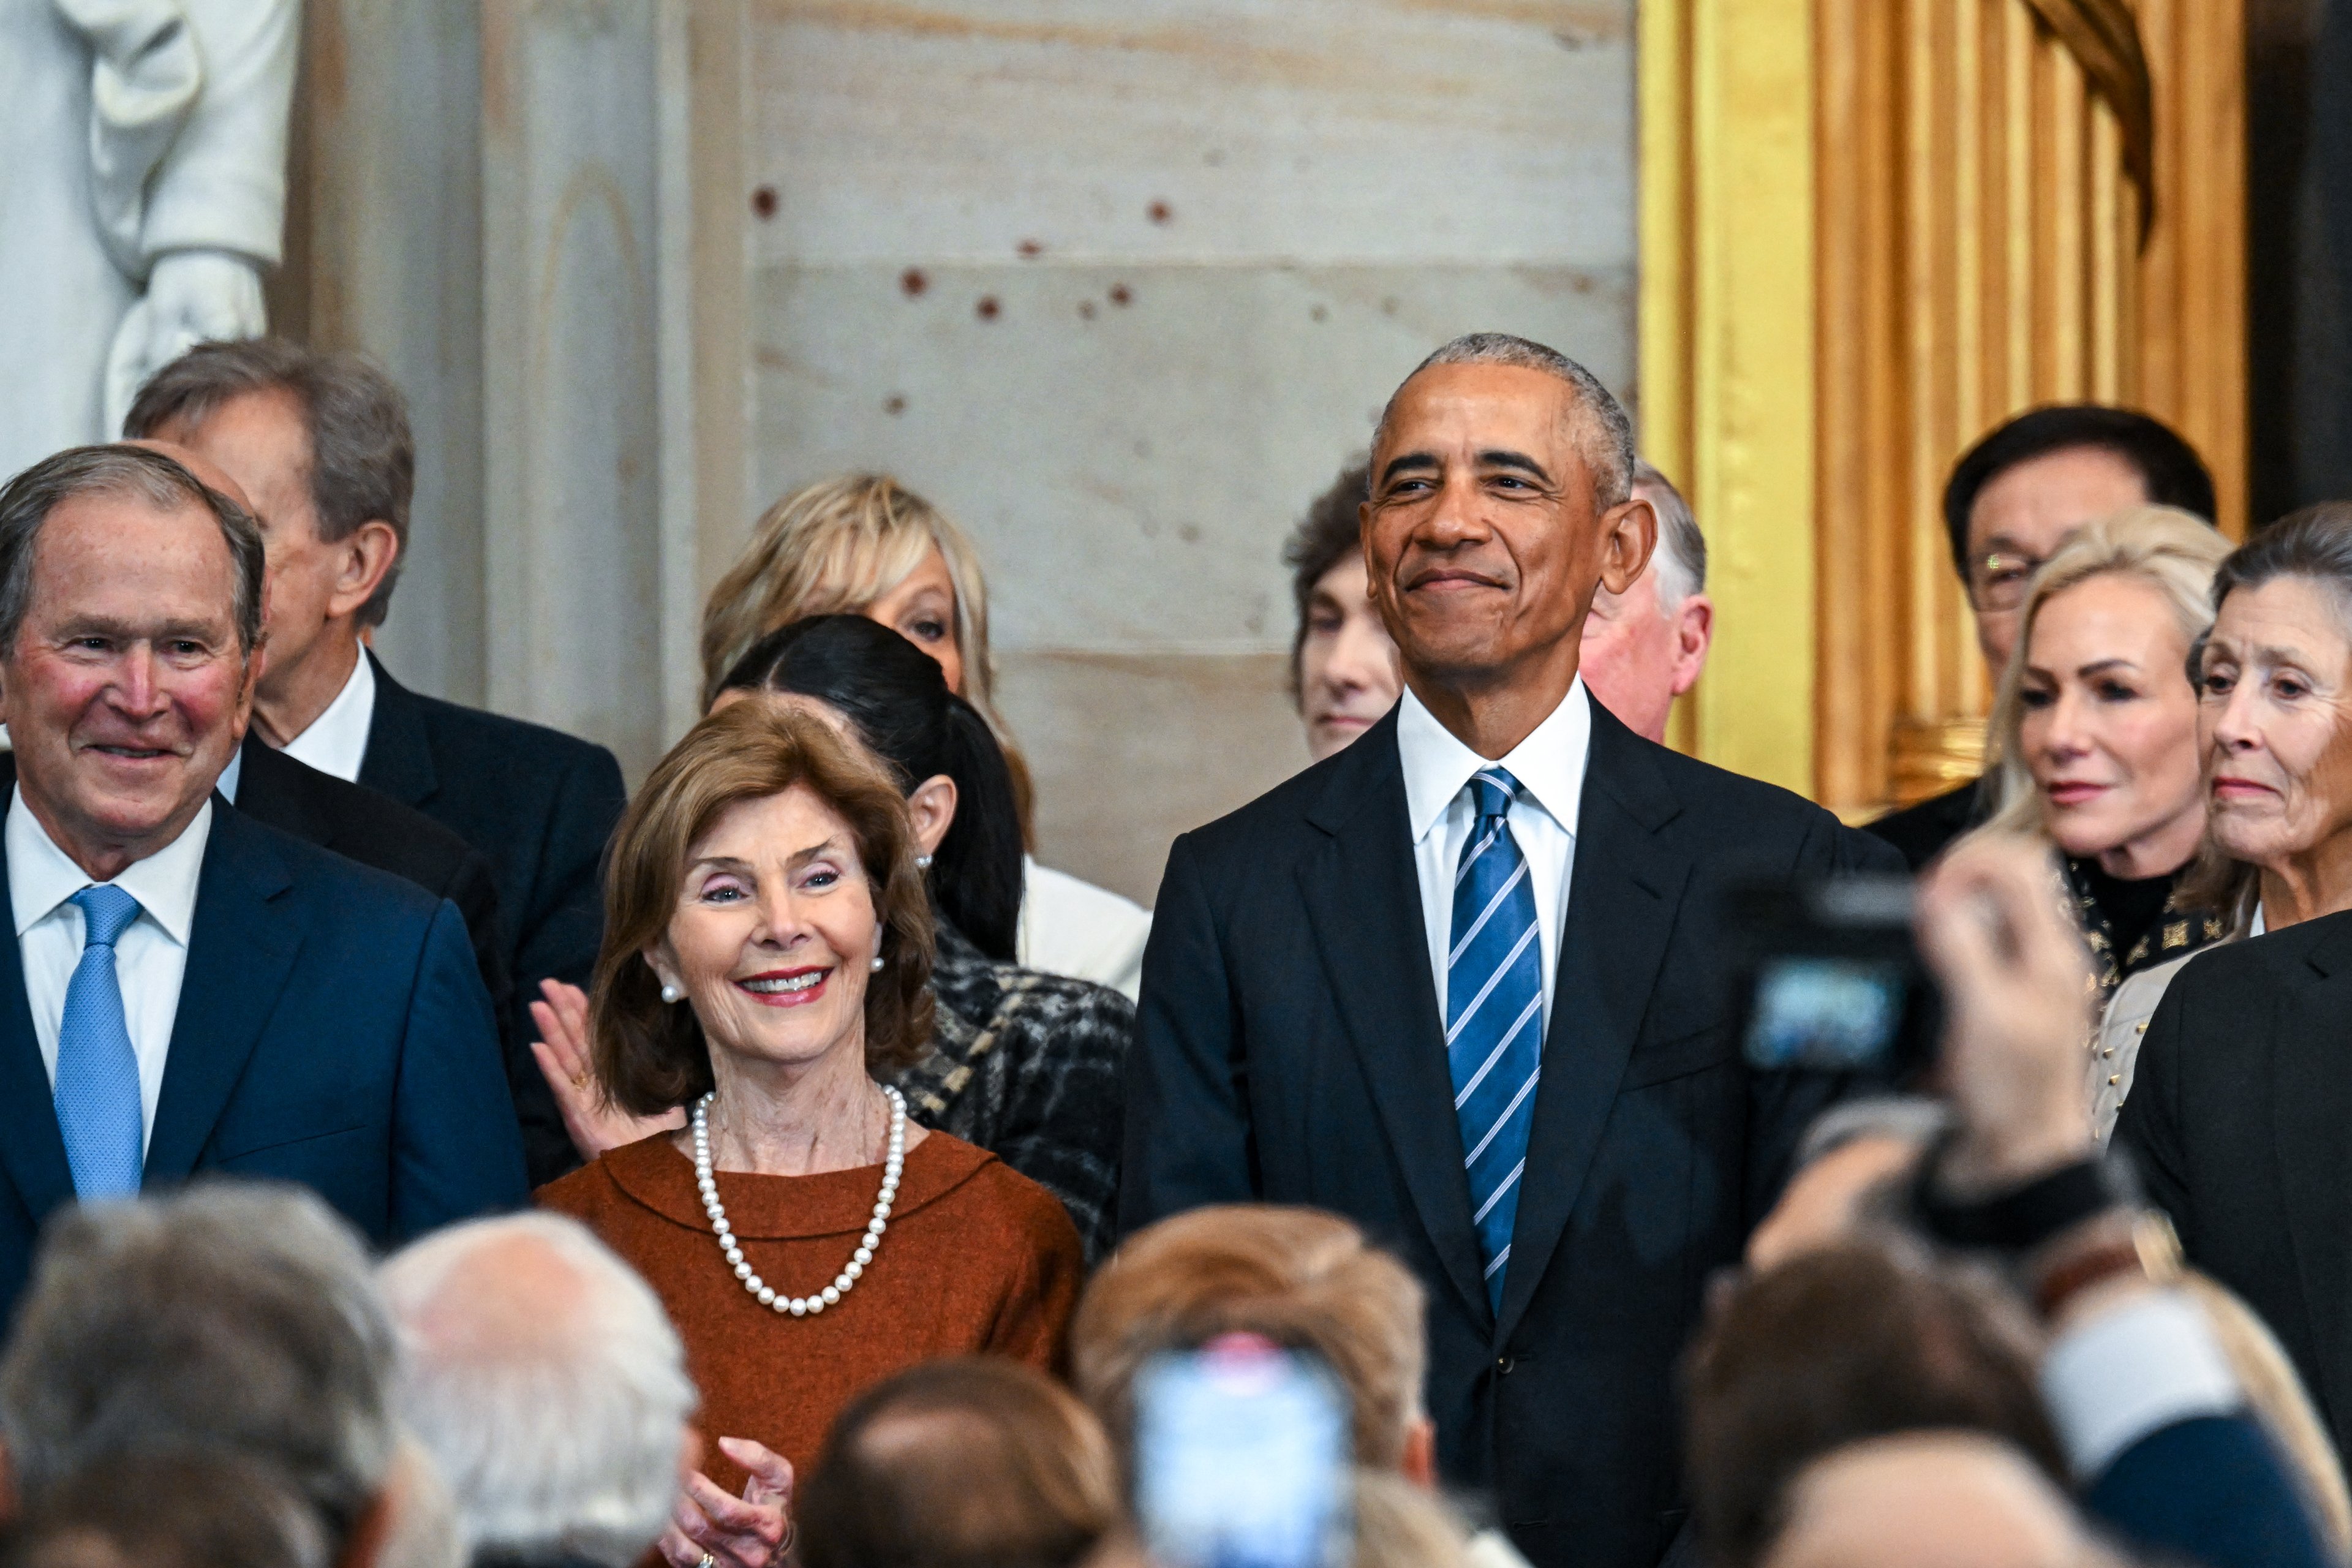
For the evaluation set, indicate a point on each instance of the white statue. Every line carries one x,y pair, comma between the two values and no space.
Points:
142,191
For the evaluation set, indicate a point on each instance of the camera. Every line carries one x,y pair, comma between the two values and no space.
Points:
1827,978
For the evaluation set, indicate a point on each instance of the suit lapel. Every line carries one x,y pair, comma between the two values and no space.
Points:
1623,892
399,759
241,949
1363,903
32,1150
2314,1159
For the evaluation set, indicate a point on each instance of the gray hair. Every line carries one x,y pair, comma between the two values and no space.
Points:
362,453
194,1509
119,470
230,1316
1681,558
1605,434
550,1388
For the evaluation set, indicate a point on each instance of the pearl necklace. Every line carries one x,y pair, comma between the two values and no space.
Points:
801,1306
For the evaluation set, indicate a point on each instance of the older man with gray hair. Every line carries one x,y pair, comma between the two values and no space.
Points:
1645,646
543,1375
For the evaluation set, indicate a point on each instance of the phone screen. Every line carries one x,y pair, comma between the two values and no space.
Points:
1241,1458
1836,1014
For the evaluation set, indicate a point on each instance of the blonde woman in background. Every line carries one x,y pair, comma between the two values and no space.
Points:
2095,733
865,544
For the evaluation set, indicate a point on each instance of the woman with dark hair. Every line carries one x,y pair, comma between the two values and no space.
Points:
1026,1064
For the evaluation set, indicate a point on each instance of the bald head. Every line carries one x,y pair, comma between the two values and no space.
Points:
545,1378
1930,1499
209,474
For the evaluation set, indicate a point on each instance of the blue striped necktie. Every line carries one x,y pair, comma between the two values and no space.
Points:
97,1095
1494,1024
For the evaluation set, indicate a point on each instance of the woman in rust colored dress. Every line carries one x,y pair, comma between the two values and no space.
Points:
767,942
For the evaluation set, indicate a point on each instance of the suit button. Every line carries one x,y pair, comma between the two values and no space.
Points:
1504,1364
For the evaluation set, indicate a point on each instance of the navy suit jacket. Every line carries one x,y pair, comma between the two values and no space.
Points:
1290,1051
332,1031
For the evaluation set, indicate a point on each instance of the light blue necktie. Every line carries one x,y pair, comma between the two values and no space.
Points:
98,1072
1494,1018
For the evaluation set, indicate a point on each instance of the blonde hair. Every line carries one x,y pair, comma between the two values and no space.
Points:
2172,550
1305,1279
836,546
2281,1407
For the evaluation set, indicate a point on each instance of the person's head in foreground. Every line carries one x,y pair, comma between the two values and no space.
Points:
765,925
1343,673
2275,718
2096,723
971,1462
959,789
1297,1277
321,443
1501,503
190,1508
544,1378
1849,1341
1930,1499
2014,497
235,1318
1647,646
130,599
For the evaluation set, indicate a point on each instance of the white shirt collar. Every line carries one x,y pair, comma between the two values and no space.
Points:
1549,764
41,875
336,741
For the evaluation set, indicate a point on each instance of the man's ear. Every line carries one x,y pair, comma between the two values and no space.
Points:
1693,630
1629,532
365,559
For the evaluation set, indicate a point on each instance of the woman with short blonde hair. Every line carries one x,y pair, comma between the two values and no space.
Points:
2093,737
865,544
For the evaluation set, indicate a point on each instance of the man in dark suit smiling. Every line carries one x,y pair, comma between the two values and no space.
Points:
189,990
1457,980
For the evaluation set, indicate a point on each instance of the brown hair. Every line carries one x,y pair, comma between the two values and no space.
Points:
1303,1278
971,1462
1850,1342
651,1056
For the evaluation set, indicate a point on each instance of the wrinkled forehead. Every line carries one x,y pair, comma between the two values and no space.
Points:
122,547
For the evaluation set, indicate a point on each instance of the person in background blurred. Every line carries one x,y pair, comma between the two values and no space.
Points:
767,948
962,1463
1343,668
1023,1065
543,1377
194,1510
866,544
2093,737
2237,1123
1647,646
2011,501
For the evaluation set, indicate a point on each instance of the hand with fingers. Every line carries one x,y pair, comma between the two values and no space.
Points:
595,1123
2017,997
709,1529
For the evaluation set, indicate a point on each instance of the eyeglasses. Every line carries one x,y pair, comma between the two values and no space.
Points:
1998,579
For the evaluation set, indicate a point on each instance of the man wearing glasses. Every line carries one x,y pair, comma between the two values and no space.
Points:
2012,498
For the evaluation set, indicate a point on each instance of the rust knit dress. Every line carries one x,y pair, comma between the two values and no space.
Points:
978,1258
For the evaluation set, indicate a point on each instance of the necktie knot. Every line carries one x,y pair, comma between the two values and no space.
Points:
107,913
1491,790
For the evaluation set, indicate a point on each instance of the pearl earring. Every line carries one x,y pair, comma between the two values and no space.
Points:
671,993
878,964
922,862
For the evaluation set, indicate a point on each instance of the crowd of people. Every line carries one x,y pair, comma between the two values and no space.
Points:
418,1151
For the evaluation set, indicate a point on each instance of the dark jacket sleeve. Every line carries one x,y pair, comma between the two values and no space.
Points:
547,1148
558,935
2213,1490
455,1150
1063,1120
1189,1140
2149,1127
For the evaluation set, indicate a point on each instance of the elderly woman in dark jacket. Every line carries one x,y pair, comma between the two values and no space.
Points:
1024,1064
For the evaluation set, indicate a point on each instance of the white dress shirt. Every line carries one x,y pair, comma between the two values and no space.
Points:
150,959
1549,766
1074,928
336,741
2129,1374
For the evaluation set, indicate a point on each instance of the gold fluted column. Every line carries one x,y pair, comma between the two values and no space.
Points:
2006,203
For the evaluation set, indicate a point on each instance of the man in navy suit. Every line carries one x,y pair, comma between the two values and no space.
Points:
188,990
1458,981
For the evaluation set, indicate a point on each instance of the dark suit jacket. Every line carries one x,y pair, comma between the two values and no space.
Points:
2213,1490
1289,1050
1923,831
333,1030
2241,1121
538,805
373,828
